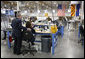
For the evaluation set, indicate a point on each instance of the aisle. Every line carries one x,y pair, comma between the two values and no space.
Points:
69,47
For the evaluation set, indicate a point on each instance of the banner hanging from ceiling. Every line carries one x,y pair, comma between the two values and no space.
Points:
61,10
46,14
77,9
73,10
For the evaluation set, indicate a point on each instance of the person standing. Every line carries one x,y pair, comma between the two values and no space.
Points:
17,33
81,33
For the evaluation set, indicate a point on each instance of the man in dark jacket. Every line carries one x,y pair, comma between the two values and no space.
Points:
81,33
17,33
81,30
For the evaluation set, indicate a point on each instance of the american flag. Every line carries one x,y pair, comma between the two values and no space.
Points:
61,10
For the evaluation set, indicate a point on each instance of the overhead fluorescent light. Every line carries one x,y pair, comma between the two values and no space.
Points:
25,11
3,11
38,11
54,2
53,11
12,3
36,1
69,10
45,11
74,2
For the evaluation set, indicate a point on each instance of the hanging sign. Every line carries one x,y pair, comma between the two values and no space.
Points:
73,10
46,14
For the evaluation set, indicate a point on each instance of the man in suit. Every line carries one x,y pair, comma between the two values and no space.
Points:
17,33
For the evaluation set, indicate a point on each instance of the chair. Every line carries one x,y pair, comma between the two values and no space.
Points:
26,38
29,49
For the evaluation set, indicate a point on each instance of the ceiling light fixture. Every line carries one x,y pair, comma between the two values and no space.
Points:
54,2
53,11
69,10
45,11
36,1
5,6
25,11
38,11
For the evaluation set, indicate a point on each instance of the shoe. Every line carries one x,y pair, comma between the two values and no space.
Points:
14,53
19,53
33,43
3,39
79,41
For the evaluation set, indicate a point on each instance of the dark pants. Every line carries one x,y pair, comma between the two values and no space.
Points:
4,35
82,38
17,45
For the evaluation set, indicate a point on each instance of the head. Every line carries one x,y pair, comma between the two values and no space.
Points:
80,24
19,15
28,24
49,19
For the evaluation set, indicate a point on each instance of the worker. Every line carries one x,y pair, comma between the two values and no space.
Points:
32,31
17,33
81,33
4,26
49,19
30,25
56,22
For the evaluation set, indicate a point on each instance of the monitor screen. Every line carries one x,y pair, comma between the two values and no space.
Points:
10,12
7,12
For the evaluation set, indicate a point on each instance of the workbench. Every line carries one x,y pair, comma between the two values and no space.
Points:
54,39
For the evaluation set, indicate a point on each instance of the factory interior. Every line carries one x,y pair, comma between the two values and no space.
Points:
58,29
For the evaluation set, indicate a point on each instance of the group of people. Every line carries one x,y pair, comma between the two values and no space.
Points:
18,31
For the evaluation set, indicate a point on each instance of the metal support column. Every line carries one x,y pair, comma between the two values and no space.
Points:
9,44
52,44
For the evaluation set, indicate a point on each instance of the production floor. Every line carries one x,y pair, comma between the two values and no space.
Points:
67,47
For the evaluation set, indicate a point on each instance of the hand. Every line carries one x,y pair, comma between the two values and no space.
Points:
28,29
32,25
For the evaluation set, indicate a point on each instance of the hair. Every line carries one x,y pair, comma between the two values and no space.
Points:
15,14
28,24
49,19
18,14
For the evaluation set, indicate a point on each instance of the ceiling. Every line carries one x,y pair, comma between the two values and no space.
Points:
33,5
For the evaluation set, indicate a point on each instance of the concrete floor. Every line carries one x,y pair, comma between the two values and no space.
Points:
67,47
